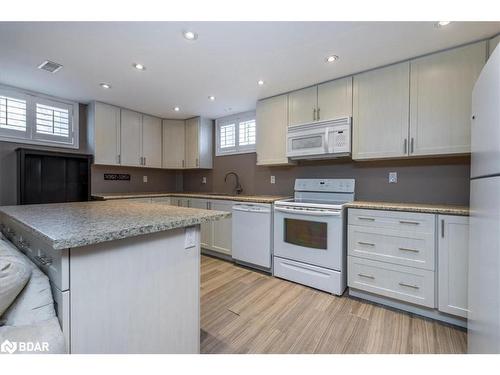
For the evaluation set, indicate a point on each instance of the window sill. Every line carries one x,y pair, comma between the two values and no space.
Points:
235,152
39,143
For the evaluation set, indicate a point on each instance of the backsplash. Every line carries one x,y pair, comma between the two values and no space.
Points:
437,180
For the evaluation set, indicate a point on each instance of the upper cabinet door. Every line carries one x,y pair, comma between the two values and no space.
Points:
271,124
151,141
173,144
106,134
192,143
335,99
302,106
131,138
380,113
440,100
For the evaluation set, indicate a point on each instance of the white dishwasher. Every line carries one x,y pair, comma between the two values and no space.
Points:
252,233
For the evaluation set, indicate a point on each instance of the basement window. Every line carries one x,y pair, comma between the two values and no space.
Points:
236,134
32,118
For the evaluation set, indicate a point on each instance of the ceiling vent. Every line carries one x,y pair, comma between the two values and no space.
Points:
50,66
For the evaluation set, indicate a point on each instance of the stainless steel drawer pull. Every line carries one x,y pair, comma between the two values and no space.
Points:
366,218
366,276
409,285
43,260
407,249
366,243
23,243
409,222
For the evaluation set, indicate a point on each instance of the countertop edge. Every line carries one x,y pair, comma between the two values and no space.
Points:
255,199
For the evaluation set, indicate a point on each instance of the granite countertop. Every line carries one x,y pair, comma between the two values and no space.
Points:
66,225
412,207
239,198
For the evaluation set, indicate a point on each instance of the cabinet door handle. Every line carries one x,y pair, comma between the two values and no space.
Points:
314,114
405,146
407,249
183,164
366,243
197,162
366,218
119,159
442,228
144,160
411,146
317,114
409,285
409,222
366,276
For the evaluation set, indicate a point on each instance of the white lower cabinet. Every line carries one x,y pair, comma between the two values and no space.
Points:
453,255
222,229
411,259
206,228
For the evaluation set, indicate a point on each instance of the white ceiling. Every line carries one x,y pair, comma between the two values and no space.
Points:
227,60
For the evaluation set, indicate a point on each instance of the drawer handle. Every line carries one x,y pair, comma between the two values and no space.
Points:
409,286
23,244
366,276
44,260
366,218
366,243
411,250
409,222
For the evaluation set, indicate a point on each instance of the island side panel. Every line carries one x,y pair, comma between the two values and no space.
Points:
136,295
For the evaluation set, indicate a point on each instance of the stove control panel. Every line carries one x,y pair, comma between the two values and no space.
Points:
332,185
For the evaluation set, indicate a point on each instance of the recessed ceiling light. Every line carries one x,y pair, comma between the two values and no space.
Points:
211,97
177,109
139,66
105,85
443,23
260,82
190,35
332,58
50,66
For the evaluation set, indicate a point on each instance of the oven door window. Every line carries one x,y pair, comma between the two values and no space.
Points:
312,234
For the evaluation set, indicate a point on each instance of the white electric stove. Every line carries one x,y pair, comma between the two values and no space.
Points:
309,234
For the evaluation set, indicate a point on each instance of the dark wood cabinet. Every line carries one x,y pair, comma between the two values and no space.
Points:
52,177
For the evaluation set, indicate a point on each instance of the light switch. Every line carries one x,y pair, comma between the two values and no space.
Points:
203,180
273,179
393,177
144,179
190,237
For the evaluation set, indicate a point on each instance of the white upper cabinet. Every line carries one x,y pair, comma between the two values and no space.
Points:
104,133
173,144
453,260
327,101
271,125
302,106
131,138
492,44
198,143
151,141
380,113
334,99
440,100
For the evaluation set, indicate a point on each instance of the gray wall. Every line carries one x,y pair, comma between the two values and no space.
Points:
158,179
437,180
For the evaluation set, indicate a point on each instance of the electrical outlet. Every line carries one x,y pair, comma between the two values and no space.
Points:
189,237
273,179
145,179
393,177
203,180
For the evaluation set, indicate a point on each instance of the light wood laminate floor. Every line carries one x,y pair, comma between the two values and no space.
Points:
244,311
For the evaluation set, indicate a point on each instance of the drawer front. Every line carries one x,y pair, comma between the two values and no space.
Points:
54,263
399,282
313,276
392,246
62,308
405,221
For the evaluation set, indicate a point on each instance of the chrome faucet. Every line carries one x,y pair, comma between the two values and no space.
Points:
238,189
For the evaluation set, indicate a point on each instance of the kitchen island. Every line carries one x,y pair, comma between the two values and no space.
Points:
125,276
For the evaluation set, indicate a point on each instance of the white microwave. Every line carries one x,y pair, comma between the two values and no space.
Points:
320,140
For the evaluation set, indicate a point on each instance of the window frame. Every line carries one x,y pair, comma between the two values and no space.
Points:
30,136
236,120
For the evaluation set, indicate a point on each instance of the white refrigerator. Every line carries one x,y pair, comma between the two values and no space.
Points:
484,247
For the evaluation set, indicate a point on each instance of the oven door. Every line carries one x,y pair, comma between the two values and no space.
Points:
310,236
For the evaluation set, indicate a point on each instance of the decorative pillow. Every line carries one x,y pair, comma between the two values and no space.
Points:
14,274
